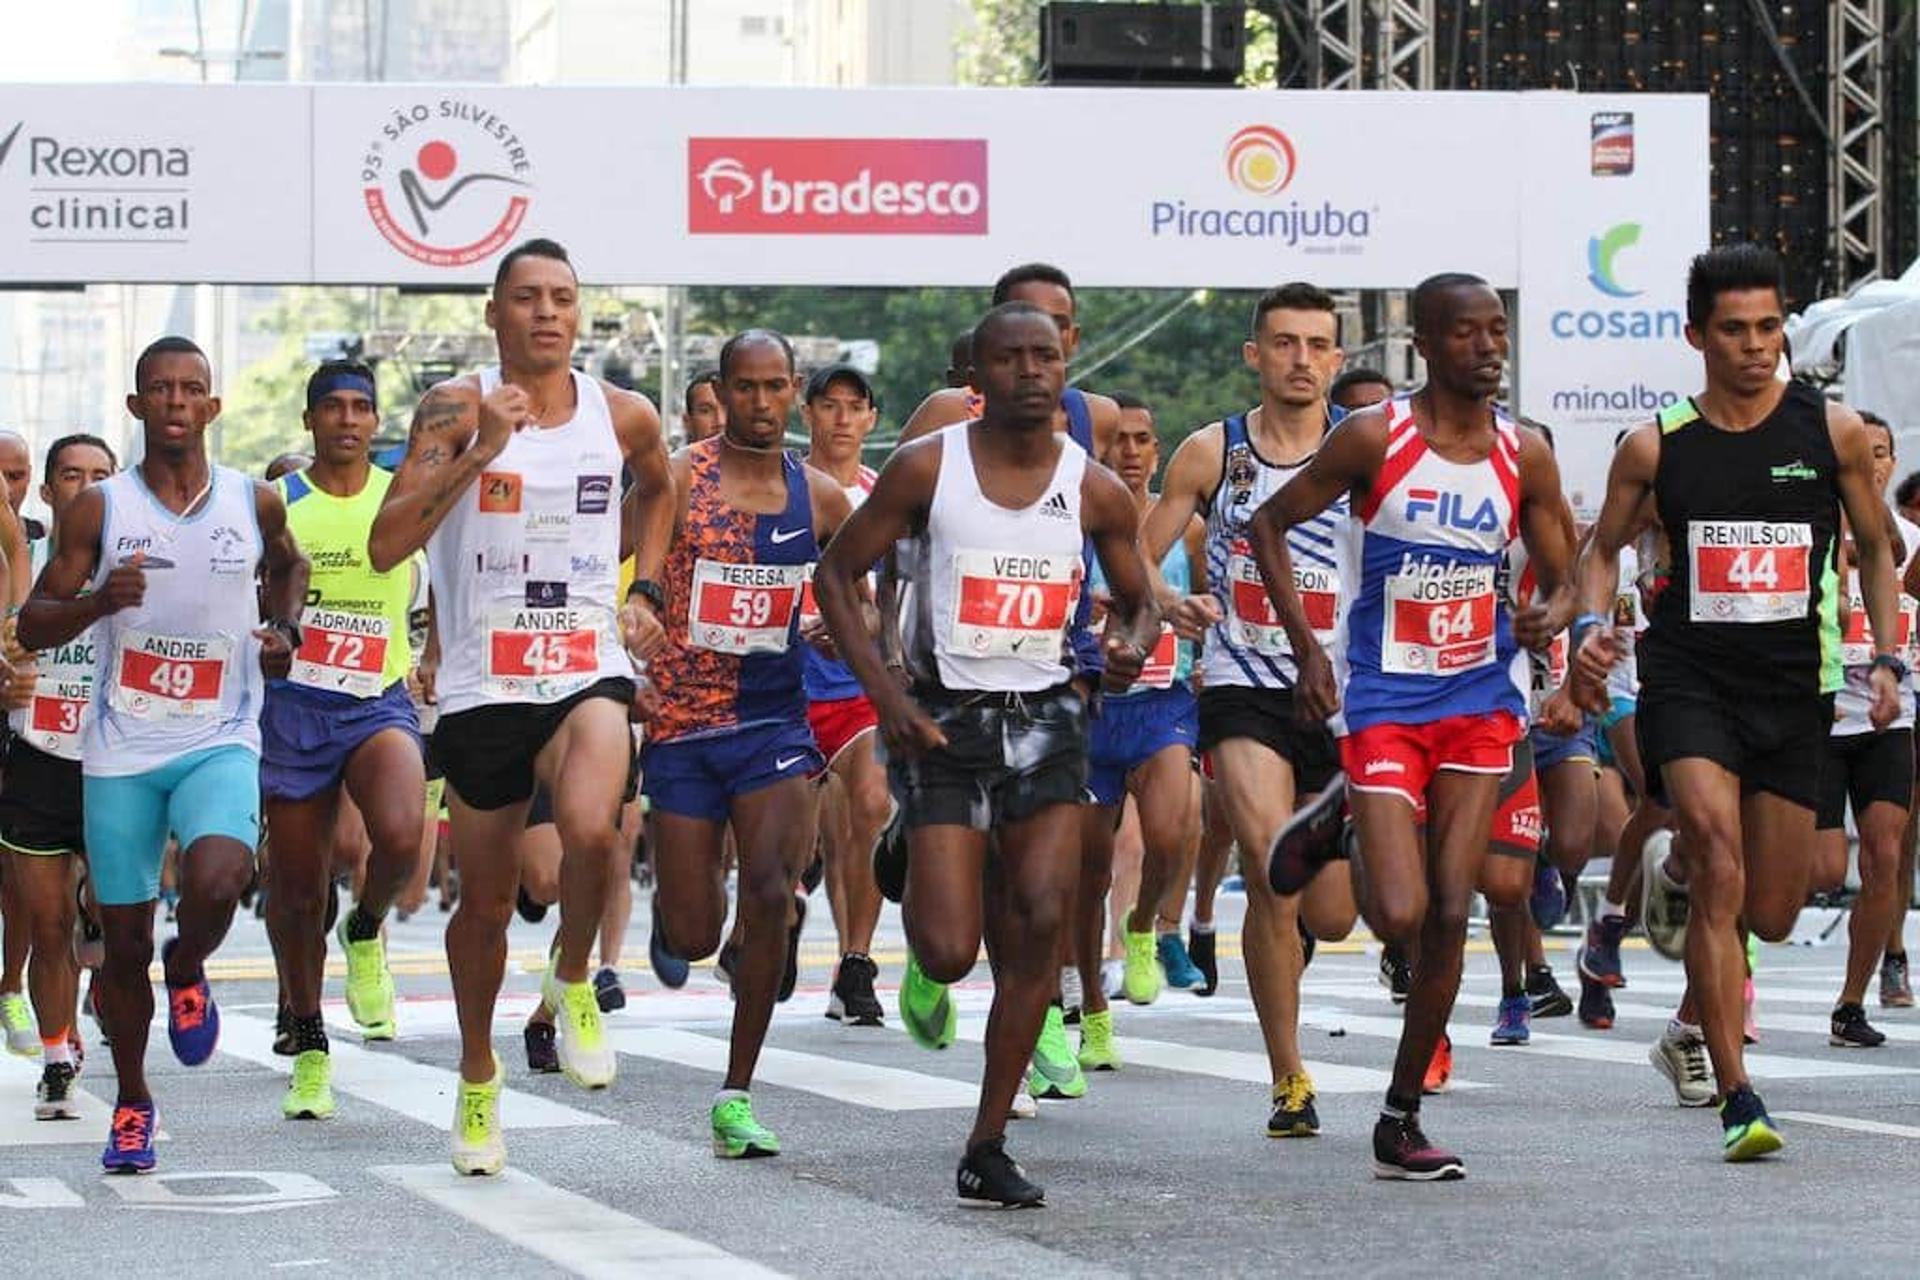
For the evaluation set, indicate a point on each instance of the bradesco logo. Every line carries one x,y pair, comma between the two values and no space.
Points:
837,186
447,182
1604,274
1262,161
100,191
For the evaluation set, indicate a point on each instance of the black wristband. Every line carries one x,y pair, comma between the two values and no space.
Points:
1892,663
288,628
650,589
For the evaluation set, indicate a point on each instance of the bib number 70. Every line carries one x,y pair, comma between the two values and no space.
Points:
1019,604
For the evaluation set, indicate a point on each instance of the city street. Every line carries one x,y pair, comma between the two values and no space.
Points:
1577,1160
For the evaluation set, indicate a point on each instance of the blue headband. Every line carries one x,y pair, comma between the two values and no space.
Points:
339,380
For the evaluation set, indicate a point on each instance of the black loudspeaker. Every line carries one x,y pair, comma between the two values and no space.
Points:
1191,44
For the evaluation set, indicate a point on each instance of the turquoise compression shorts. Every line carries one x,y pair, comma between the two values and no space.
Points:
214,792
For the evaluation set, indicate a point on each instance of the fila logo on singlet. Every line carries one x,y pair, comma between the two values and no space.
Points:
1446,509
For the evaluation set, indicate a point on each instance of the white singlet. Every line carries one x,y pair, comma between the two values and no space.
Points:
62,686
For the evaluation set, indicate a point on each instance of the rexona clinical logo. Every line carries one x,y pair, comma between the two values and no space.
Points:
1605,273
837,186
1261,162
110,190
447,181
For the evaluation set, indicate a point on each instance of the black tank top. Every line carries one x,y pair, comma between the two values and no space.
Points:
1751,516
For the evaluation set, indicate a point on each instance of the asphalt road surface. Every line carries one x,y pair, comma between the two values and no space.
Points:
1578,1161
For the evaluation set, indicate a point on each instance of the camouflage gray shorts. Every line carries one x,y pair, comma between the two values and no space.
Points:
1007,757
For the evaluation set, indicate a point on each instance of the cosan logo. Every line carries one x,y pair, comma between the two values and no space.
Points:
87,189
1604,273
837,186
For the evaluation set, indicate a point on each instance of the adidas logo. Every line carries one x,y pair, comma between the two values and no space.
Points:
1055,507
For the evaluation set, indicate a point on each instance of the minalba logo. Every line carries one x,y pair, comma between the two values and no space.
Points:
447,182
1260,160
1601,252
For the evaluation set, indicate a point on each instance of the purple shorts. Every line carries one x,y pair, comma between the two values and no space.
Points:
306,735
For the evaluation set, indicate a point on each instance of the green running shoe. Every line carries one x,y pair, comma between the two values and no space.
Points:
1096,1042
369,984
1747,1131
1141,985
736,1134
310,1094
1056,1072
478,1147
926,1008
23,1033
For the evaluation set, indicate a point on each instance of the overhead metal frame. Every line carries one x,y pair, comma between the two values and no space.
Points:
1857,182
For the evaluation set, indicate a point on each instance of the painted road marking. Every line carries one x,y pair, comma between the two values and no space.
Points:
19,1077
1850,1124
1791,1023
843,1080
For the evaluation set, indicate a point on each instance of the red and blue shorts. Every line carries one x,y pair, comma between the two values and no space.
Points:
1401,759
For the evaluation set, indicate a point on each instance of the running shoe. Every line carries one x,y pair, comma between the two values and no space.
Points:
1663,903
1546,995
669,968
1749,1025
852,1002
193,1019
130,1139
1401,1152
926,1008
1113,978
723,962
1514,1023
1599,956
1056,1071
284,1045
790,978
1200,947
1308,943
1681,1056
1072,995
369,983
1096,1043
1143,977
816,871
53,1099
1896,989
1596,1004
542,1058
1396,975
23,1034
736,1134
91,1008
1309,840
608,991
890,857
1851,1030
530,911
1746,1130
310,1092
585,1057
1293,1114
479,1148
1548,902
1181,972
1440,1069
1023,1107
988,1174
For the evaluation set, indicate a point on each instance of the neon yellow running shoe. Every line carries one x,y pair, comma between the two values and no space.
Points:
1293,1113
23,1033
736,1134
478,1147
1096,1042
1747,1131
926,1008
1141,983
310,1093
369,984
585,1056
1056,1072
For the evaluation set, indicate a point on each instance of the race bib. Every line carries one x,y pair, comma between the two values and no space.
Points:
1439,624
1256,623
343,652
1012,605
744,608
159,677
1749,570
1856,642
1157,671
809,607
541,653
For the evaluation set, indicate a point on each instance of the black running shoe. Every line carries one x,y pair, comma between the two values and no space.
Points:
542,1058
890,858
1401,1152
1549,1000
723,963
607,991
1200,950
669,968
1851,1030
283,1042
1308,943
1396,975
989,1174
1596,1003
816,872
1309,840
530,911
791,977
54,1099
853,1003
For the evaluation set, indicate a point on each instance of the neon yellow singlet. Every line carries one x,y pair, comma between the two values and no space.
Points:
355,625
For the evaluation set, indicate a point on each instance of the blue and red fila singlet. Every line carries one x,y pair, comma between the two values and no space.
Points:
1429,632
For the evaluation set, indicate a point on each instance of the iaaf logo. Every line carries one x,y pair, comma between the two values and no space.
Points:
447,182
837,186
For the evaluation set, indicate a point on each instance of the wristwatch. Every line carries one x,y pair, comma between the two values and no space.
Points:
1892,663
651,590
288,628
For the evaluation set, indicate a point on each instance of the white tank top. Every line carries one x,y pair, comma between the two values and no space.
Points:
180,673
62,687
526,566
996,588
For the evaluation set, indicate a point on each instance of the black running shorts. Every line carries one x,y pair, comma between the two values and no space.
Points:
1007,757
40,805
487,752
1773,744
1266,716
1863,769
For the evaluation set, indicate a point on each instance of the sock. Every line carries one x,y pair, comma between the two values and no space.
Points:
57,1049
728,1095
1510,989
1898,957
1202,927
309,1033
1400,1108
1677,1029
1608,907
361,926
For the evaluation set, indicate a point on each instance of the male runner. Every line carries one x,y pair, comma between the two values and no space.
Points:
993,735
40,821
1441,481
512,482
16,931
1740,662
839,411
729,743
342,721
705,414
164,558
1359,388
1264,753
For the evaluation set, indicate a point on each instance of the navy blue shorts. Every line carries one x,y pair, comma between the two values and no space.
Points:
307,735
1130,731
699,777
1550,749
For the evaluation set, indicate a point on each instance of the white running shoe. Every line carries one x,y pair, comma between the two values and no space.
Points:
1681,1056
1071,995
1663,903
1024,1107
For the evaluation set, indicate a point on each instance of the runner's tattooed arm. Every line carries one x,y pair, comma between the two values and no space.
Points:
1597,578
455,435
56,611
1133,614
1879,587
1546,528
284,589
